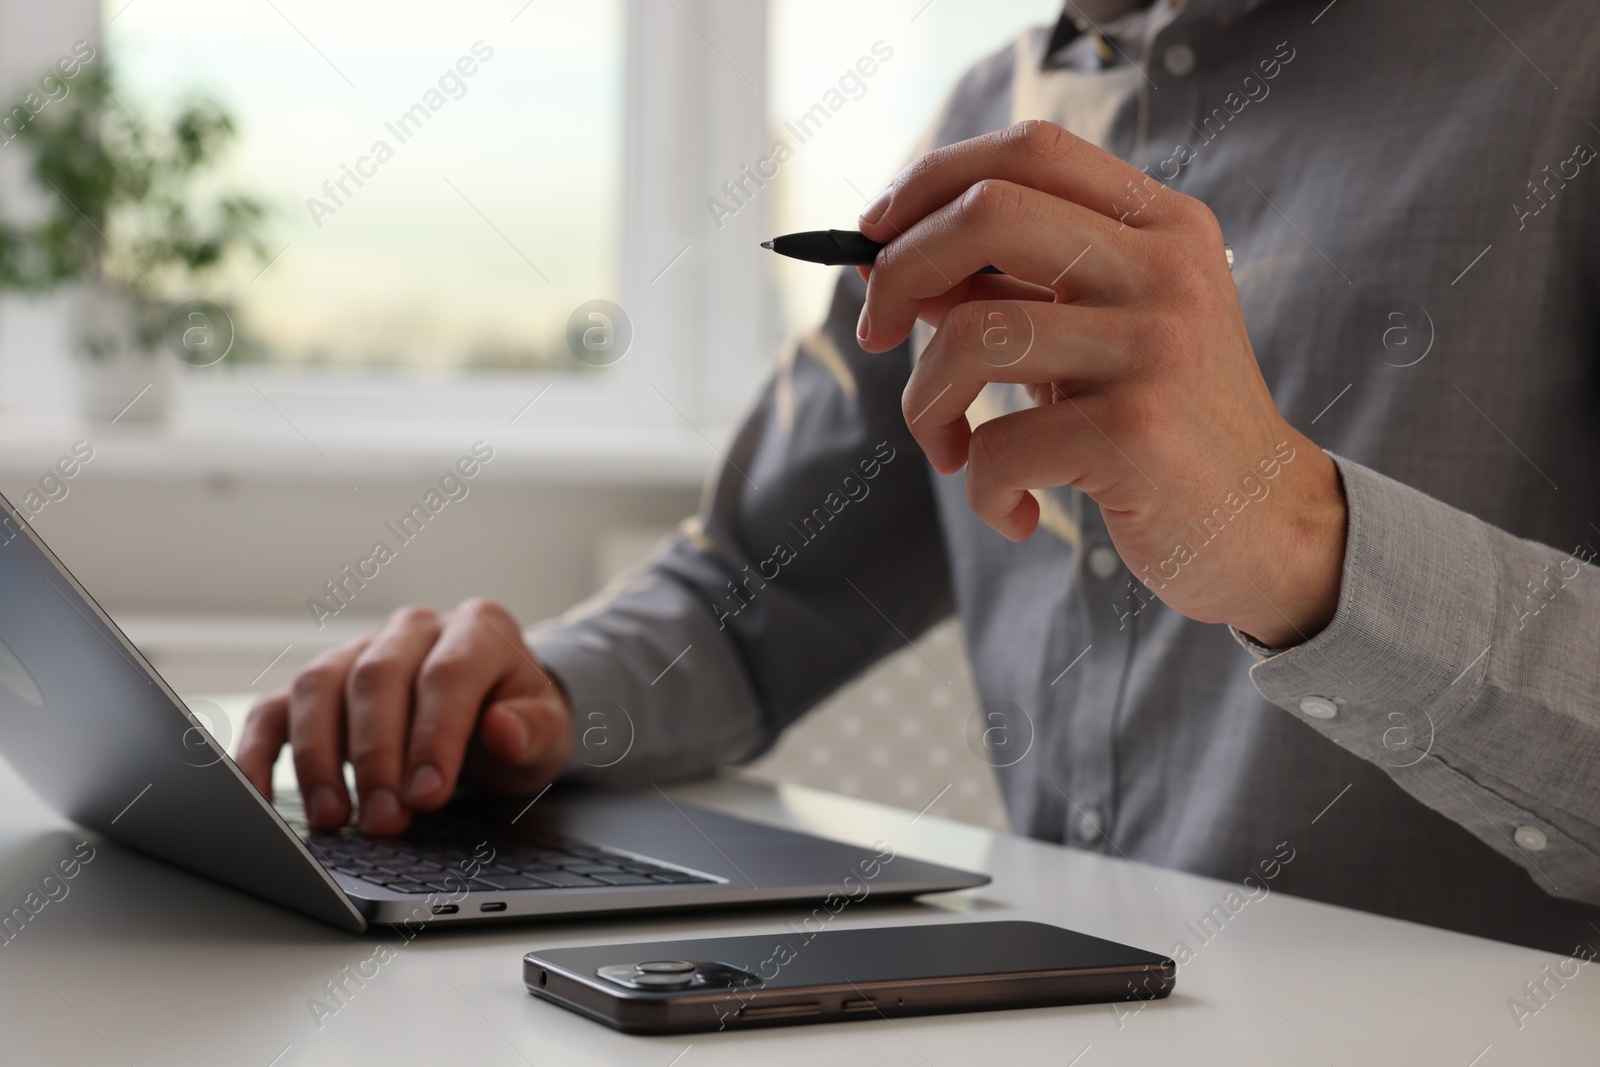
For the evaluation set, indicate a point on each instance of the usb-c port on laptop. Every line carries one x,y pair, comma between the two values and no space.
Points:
492,905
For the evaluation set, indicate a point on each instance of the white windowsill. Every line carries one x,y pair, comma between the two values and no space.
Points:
280,425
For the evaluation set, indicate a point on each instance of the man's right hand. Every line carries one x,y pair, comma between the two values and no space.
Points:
414,707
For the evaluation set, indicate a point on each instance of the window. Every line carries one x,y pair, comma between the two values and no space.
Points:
444,179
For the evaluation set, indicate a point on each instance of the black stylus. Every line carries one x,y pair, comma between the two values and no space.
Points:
834,248
848,248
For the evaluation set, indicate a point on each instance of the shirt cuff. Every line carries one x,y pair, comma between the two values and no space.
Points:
1393,677
1255,648
1416,603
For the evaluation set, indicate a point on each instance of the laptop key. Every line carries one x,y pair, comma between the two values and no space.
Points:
565,879
443,883
404,885
520,856
413,869
437,854
389,846
676,877
513,881
624,878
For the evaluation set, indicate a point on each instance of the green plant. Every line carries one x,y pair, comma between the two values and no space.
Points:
122,206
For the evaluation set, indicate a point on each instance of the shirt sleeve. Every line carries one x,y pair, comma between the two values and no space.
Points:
1466,663
816,551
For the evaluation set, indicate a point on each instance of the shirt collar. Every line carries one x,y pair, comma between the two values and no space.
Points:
1128,29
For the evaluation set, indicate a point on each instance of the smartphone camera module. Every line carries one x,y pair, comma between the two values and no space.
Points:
665,975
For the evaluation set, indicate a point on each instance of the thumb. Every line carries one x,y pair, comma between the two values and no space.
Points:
527,741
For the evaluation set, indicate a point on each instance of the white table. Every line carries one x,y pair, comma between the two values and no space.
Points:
143,964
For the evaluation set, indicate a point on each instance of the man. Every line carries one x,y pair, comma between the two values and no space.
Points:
1354,651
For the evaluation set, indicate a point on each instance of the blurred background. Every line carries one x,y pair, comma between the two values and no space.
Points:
274,265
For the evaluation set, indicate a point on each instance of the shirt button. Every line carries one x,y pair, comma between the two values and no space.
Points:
1104,563
1530,838
1319,707
1089,825
1179,60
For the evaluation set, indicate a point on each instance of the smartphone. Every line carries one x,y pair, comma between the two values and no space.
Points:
798,976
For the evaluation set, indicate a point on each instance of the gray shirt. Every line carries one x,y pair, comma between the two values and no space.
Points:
1411,201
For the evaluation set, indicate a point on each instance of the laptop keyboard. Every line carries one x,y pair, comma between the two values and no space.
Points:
422,860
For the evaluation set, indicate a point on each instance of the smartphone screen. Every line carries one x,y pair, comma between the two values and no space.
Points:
801,976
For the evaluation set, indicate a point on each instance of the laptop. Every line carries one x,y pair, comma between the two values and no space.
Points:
92,727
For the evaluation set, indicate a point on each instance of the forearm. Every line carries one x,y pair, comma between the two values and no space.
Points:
817,551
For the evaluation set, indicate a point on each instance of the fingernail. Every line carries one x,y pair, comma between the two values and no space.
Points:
878,208
425,780
522,737
863,325
379,808
324,805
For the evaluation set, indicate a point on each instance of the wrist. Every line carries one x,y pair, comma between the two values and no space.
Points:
1296,593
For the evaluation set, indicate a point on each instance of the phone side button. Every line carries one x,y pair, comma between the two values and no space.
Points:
864,1004
779,1011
